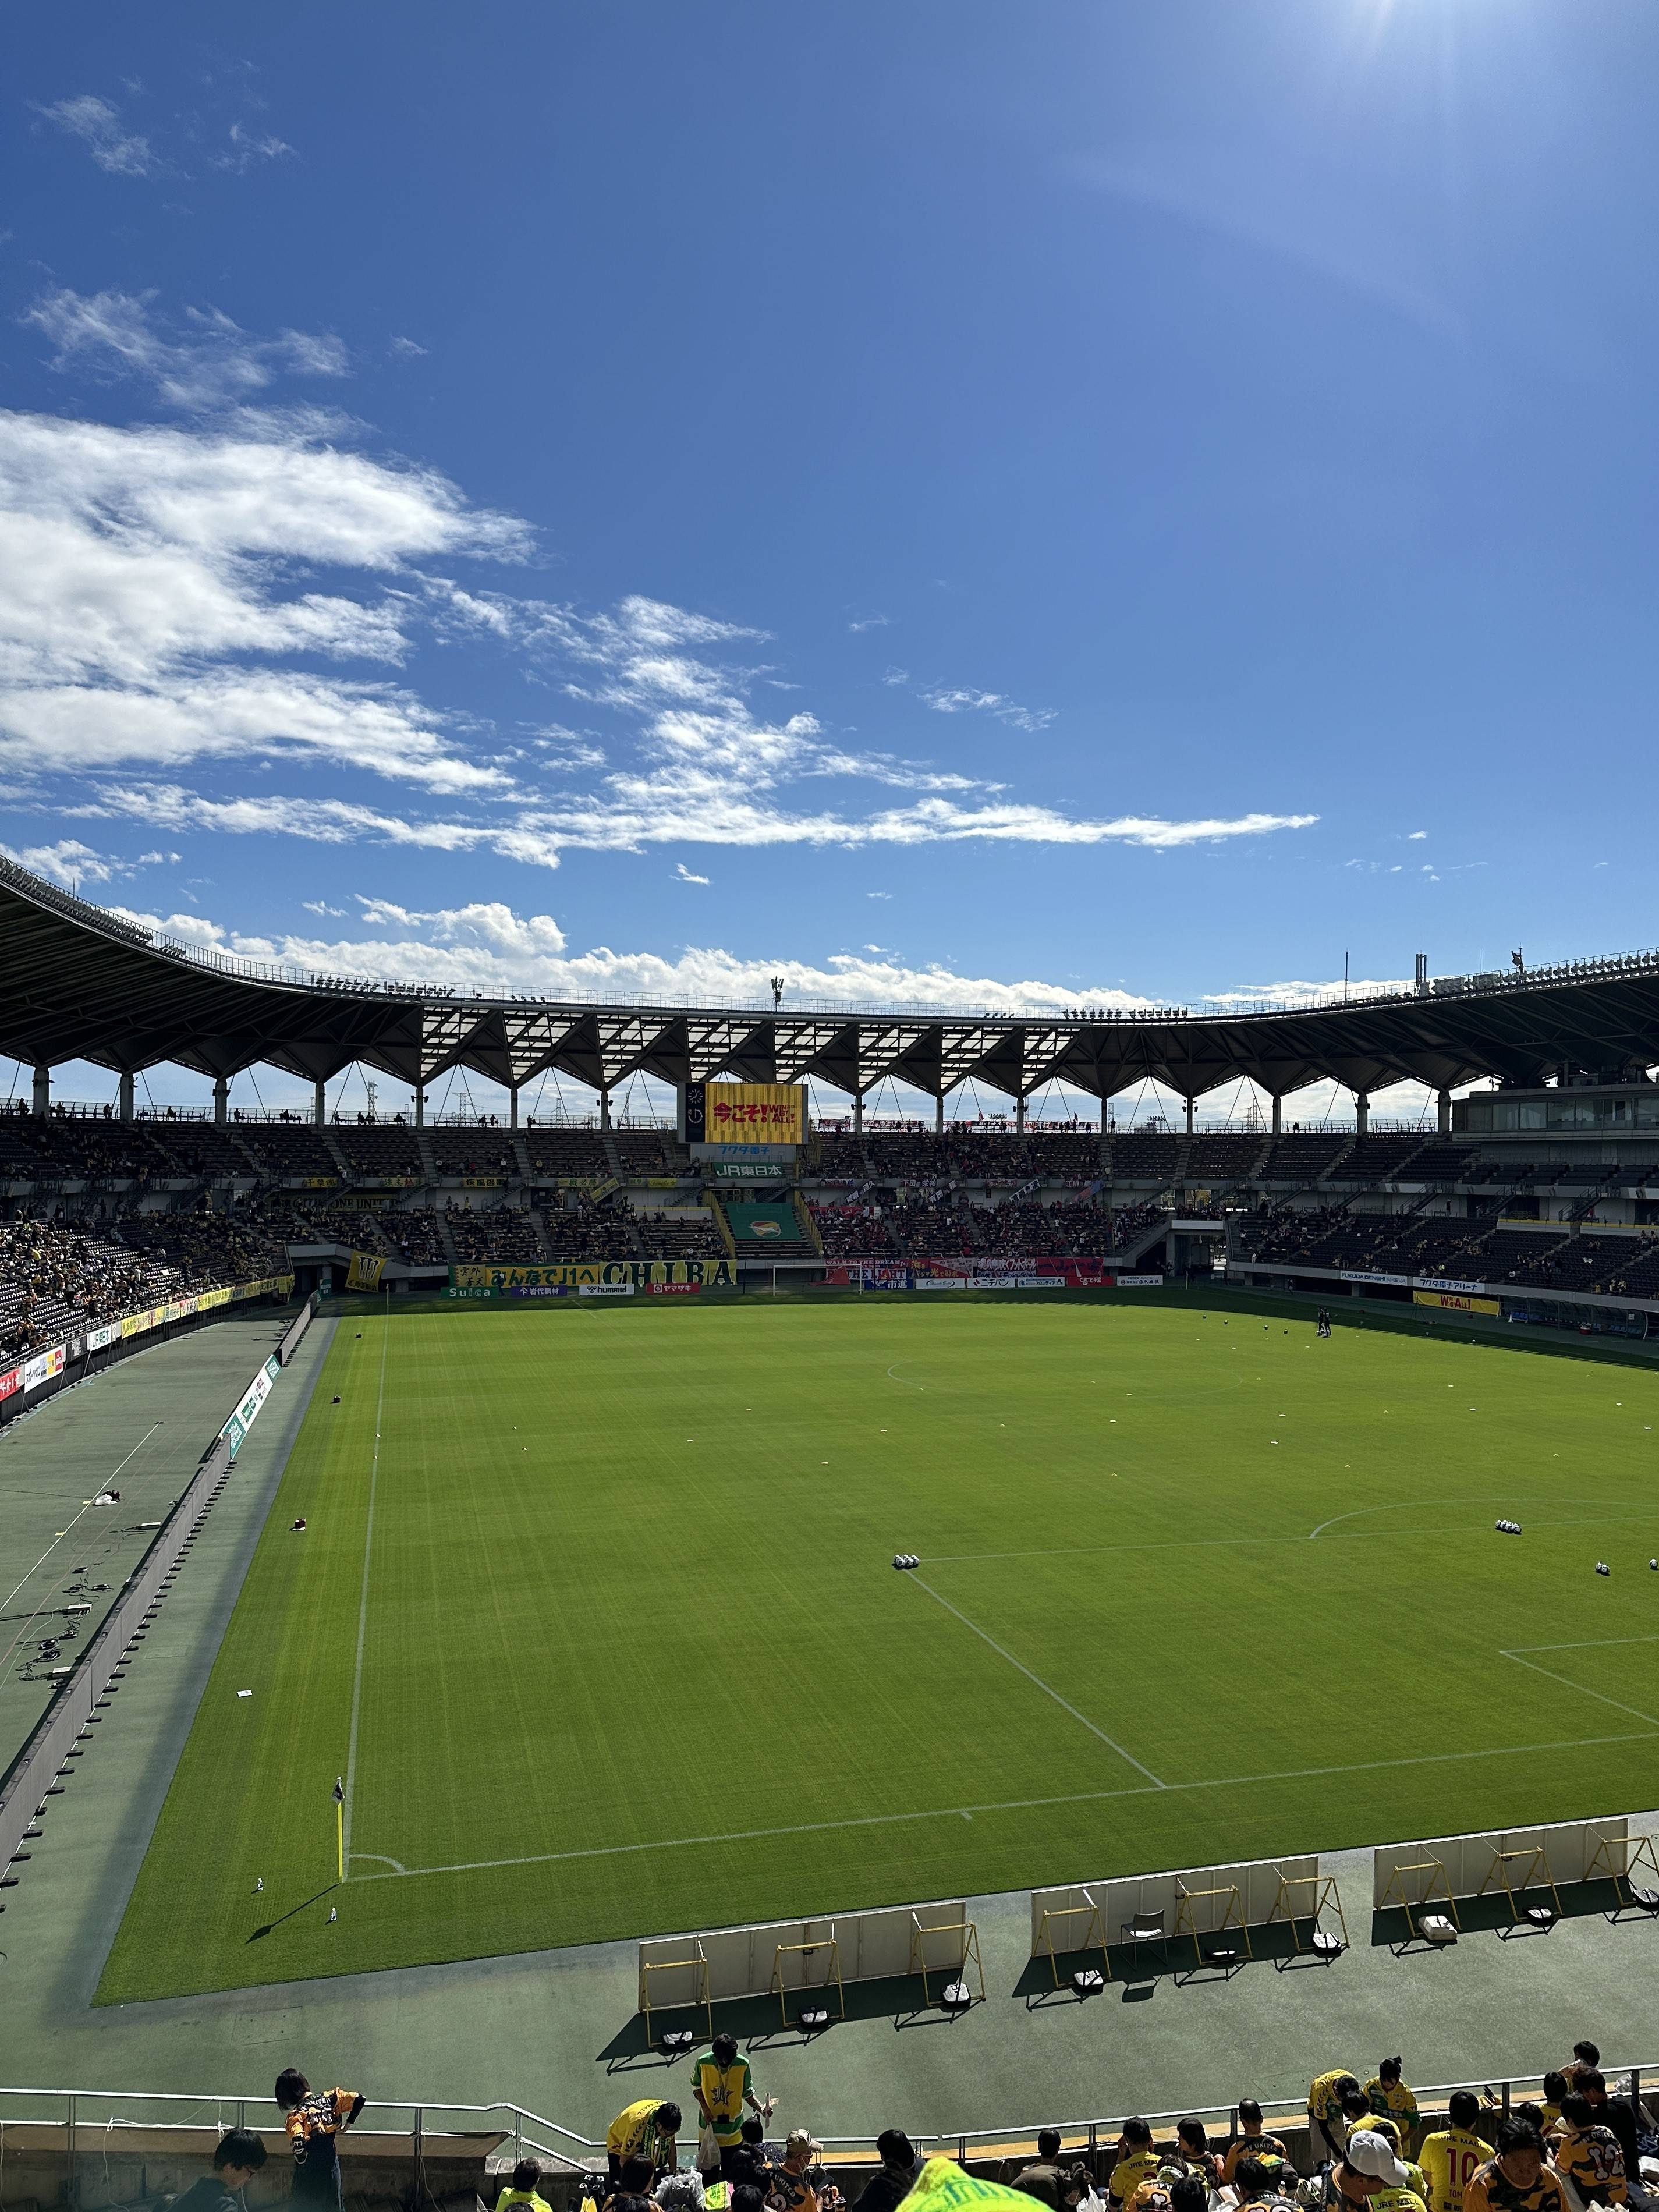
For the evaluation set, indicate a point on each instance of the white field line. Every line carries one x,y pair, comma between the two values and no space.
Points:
1488,1498
362,1609
1241,1543
1567,1681
1048,1690
16,1643
1014,1805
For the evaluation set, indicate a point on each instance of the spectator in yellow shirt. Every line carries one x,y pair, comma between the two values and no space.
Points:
1452,2156
1390,2100
1137,2161
645,2129
524,2196
1335,2101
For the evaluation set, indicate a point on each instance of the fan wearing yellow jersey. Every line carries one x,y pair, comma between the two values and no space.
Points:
1452,2156
1390,2100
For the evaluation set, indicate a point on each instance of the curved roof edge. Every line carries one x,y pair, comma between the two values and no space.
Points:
77,981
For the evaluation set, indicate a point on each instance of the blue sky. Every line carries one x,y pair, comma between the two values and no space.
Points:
956,502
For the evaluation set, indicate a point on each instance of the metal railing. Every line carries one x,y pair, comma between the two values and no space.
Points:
94,2114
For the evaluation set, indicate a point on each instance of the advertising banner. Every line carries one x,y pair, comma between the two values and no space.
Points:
1136,1283
642,1274
604,1290
108,1332
365,1271
1447,1283
43,1367
11,1382
1357,1275
1061,1274
767,1113
1452,1302
236,1428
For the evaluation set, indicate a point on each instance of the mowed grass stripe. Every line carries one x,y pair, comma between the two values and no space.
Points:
617,1597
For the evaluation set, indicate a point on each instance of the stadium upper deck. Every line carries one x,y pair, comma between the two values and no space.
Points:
76,982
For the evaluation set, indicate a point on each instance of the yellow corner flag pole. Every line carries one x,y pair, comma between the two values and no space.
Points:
339,1827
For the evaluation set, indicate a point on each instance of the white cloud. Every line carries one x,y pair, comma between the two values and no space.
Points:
1243,996
156,859
247,148
97,123
487,945
686,876
944,702
870,622
204,361
176,602
878,895
67,862
322,907
895,676
1416,836
139,571
407,350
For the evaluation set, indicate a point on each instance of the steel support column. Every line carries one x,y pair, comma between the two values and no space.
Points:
127,1105
221,1101
42,1088
318,1105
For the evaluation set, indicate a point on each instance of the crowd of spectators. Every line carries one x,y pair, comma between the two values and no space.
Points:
1574,2146
1019,1227
52,1278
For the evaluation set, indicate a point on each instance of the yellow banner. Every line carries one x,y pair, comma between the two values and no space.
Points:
1455,1304
365,1271
755,1114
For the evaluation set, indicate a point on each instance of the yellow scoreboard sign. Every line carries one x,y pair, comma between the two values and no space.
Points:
1452,1302
745,1113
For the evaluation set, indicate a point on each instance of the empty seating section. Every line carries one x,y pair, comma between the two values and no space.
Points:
1441,1162
1300,1159
1220,1159
1141,1158
554,1152
651,1152
1375,1159
472,1151
288,1148
378,1148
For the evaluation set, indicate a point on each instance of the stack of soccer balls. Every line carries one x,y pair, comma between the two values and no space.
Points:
906,1560
1508,1527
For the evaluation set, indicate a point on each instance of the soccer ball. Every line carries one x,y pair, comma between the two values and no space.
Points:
1602,1568
902,1561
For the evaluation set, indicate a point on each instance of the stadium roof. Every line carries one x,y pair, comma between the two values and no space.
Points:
79,983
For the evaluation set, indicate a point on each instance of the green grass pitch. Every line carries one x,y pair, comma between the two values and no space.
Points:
630,1654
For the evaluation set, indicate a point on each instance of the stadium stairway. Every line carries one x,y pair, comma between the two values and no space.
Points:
1322,1179
521,1158
429,1159
348,1173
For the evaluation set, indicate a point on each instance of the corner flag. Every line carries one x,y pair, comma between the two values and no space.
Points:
339,1827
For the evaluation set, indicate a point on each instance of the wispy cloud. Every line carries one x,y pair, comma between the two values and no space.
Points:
203,360
407,350
944,702
248,148
97,123
870,622
686,876
178,603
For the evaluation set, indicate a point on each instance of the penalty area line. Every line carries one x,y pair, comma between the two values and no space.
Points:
1567,1682
1011,1805
1047,1689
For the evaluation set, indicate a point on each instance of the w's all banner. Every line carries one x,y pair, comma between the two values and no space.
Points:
570,1278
